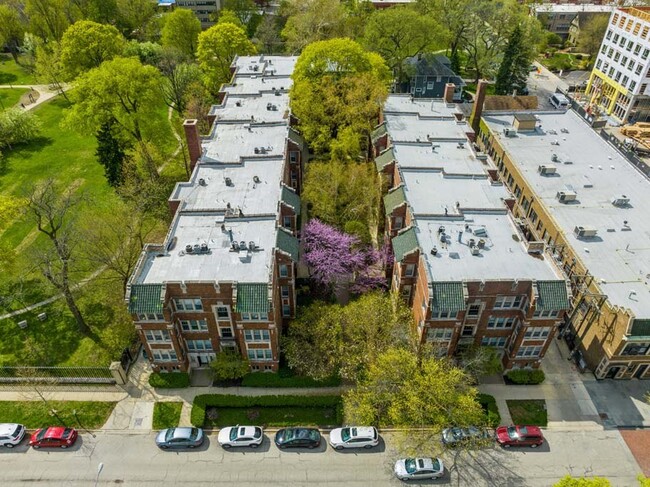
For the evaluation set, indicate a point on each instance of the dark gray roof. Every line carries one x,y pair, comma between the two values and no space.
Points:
431,65
287,243
290,198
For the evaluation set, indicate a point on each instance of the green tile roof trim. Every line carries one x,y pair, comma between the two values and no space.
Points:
405,243
145,298
288,243
640,328
393,199
378,132
290,197
448,296
384,159
252,298
552,295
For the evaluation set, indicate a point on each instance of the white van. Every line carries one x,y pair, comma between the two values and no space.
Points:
558,100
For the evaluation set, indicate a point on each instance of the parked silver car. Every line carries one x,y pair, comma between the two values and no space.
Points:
11,434
419,468
179,438
354,437
230,436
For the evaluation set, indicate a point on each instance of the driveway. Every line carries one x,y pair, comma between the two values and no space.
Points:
621,403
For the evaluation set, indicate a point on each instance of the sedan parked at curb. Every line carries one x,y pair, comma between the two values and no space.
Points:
11,434
230,436
354,437
419,468
508,436
456,436
53,437
179,438
297,438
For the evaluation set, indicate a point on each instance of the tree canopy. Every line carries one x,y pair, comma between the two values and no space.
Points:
569,481
181,31
513,70
312,20
592,33
11,29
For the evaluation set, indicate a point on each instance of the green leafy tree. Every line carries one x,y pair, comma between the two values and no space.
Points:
110,153
147,52
453,15
592,33
48,67
569,481
217,48
176,85
12,29
267,36
421,393
135,19
312,20
398,33
513,70
229,365
49,19
86,45
17,126
102,11
229,17
246,11
338,85
181,31
122,91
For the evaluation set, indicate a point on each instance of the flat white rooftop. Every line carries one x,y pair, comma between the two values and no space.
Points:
264,64
255,84
407,127
569,8
230,142
425,107
619,256
220,263
260,108
447,156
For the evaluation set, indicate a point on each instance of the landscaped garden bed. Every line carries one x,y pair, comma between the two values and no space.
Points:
171,380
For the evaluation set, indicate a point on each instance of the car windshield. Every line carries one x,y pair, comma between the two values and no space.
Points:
66,433
512,432
41,434
258,433
409,464
170,434
17,432
194,434
345,434
233,434
523,431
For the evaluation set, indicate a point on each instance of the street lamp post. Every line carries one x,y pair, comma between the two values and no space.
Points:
100,467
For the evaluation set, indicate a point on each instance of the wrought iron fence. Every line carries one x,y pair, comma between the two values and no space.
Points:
56,375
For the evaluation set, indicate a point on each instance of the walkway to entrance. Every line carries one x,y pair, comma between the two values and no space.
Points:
201,378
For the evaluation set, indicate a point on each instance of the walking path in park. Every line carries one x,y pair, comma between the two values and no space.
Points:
43,91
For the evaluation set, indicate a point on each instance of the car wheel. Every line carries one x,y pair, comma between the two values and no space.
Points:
506,446
338,447
368,447
254,445
534,445
9,445
227,447
63,447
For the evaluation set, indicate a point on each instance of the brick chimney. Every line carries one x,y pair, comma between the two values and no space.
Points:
193,140
477,110
449,92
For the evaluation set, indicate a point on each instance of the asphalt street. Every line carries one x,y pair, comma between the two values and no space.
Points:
133,460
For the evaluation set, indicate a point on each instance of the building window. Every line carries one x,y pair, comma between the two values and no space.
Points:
501,322
257,335
497,342
468,331
632,85
537,332
154,336
546,313
286,222
409,270
164,355
286,310
624,60
194,325
399,222
199,345
284,270
228,347
473,310
636,349
508,302
629,45
191,304
253,316
638,69
609,34
223,313
644,33
529,351
439,334
617,56
293,156
625,80
630,65
598,63
644,86
284,291
441,314
406,292
618,76
644,56
226,332
151,317
616,36
260,354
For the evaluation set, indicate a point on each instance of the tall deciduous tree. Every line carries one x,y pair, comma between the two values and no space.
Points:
312,20
181,31
592,33
48,67
453,15
513,70
86,45
267,36
229,365
51,208
124,91
17,127
217,48
568,481
246,11
398,33
176,85
135,17
49,19
12,29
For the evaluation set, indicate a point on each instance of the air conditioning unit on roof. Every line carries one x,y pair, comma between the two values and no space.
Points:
547,169
585,232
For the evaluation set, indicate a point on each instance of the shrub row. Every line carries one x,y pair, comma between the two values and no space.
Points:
268,379
489,405
229,401
523,376
170,380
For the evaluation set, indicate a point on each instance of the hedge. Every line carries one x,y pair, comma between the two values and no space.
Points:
491,409
268,379
170,380
204,401
523,376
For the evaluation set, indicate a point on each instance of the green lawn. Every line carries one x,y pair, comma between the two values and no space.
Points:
166,414
37,414
14,74
272,416
10,97
532,412
565,61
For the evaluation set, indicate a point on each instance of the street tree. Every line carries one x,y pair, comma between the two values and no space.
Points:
568,481
181,31
122,91
226,16
229,365
217,48
312,20
52,209
398,33
86,45
513,70
592,34
17,127
134,19
12,30
420,392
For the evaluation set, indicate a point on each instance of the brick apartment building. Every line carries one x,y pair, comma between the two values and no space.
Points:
224,276
461,262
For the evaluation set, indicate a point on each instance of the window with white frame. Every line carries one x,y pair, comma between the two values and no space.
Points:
636,348
473,310
164,355
151,317
284,270
441,314
501,322
293,156
286,221
227,346
194,325
497,342
440,334
260,354
226,332
285,291
546,313
188,304
406,291
257,335
199,345
539,332
154,336
508,302
529,351
223,313
409,270
286,310
253,316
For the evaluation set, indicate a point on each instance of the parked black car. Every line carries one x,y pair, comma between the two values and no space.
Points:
297,438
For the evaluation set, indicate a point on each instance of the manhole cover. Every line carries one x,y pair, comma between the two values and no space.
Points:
603,415
138,421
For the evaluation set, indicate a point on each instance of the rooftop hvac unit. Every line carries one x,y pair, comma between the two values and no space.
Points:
480,232
585,232
202,182
547,169
242,245
269,106
228,182
566,196
508,132
554,158
204,248
256,179
189,249
475,251
256,150
481,156
252,246
621,200
234,245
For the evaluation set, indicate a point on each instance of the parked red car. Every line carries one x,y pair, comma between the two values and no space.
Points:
53,437
508,436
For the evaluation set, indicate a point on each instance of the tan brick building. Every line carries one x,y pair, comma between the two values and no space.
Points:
224,277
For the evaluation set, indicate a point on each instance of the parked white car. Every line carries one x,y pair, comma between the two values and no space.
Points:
354,437
11,434
230,436
419,468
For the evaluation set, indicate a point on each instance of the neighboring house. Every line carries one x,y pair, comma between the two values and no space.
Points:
578,22
428,75
203,9
619,82
577,197
559,18
462,261
224,277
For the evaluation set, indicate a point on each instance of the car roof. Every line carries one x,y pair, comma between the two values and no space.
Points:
245,430
182,432
424,463
362,431
54,432
532,430
8,428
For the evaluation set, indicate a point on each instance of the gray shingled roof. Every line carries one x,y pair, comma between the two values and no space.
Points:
290,197
448,296
393,199
384,158
404,243
553,295
145,298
